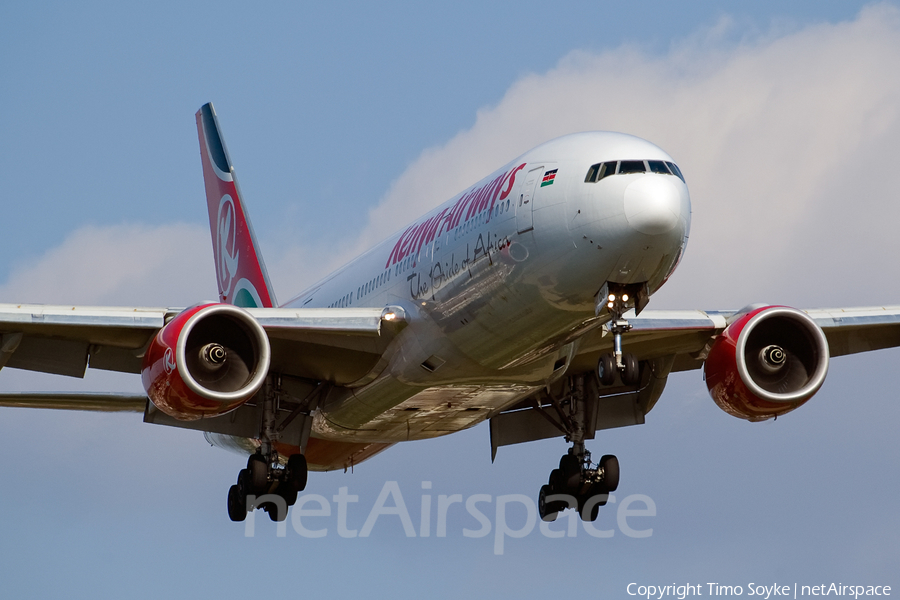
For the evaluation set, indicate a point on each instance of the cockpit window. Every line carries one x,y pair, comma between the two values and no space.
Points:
599,171
631,166
605,169
658,166
676,170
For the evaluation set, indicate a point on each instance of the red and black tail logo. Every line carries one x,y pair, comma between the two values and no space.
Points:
240,271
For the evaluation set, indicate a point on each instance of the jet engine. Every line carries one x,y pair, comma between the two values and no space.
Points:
206,361
767,363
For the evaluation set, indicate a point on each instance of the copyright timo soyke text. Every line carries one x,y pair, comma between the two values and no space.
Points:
756,590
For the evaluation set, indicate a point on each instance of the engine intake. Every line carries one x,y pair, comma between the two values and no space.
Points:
207,361
767,363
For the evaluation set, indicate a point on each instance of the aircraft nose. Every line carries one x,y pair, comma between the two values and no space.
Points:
652,205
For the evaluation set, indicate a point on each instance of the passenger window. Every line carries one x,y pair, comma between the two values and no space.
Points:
658,166
631,166
675,170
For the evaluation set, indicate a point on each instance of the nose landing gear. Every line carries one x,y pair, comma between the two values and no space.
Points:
618,300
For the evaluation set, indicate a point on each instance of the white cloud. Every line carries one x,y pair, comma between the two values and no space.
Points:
168,265
788,144
787,141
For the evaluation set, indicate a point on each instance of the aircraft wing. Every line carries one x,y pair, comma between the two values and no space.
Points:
671,341
687,335
340,345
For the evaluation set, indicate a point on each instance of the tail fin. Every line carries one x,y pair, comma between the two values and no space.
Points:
240,271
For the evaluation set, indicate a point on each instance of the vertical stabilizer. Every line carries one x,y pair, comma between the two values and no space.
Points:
240,271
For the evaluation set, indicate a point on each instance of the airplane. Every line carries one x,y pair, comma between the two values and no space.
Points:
521,301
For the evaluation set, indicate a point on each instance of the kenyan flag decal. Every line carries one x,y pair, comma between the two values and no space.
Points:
549,177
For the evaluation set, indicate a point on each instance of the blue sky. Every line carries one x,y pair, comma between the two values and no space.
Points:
345,122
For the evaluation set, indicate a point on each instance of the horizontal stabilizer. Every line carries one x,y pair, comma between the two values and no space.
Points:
92,401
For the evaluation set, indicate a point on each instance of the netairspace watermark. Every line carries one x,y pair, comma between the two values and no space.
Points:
390,509
757,590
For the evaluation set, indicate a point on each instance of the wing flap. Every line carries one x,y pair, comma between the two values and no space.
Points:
60,357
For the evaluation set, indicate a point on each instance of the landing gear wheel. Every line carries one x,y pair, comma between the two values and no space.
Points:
569,464
288,492
237,505
589,505
610,465
274,514
257,478
631,374
557,480
297,472
243,482
570,467
544,505
606,369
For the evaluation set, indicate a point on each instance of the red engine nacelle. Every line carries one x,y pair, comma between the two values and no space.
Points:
767,363
208,360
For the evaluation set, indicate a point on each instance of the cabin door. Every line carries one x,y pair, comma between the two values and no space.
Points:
525,201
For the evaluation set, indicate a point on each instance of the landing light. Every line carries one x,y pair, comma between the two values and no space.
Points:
624,297
609,304
389,316
612,297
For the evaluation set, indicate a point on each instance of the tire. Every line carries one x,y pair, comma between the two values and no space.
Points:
557,480
606,369
571,479
243,481
594,509
631,375
610,465
237,506
271,509
257,479
288,492
544,507
569,464
298,472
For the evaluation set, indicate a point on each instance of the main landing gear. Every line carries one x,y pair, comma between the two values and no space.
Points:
578,483
626,364
265,483
267,486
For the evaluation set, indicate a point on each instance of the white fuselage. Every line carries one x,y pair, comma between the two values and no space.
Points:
499,282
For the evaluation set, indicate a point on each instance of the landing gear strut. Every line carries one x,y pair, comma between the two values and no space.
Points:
265,483
617,302
578,483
